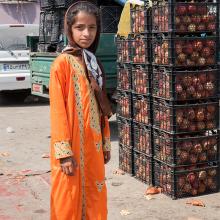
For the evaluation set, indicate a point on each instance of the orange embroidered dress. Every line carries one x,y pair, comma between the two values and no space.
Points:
76,130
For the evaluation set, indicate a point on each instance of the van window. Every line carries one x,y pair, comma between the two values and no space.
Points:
13,37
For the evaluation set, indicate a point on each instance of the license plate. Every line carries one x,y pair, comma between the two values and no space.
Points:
12,67
37,88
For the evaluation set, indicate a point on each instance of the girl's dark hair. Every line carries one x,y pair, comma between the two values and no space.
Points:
72,12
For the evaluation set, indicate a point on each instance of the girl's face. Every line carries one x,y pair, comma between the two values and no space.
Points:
84,29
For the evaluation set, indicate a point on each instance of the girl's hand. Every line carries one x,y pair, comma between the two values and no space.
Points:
107,156
68,165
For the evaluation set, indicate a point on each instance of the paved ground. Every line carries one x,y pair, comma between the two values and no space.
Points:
24,177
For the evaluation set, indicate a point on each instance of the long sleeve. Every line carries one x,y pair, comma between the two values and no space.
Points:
60,132
106,136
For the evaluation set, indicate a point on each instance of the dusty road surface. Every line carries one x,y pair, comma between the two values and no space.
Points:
24,174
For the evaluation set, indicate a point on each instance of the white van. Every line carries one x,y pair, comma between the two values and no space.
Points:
14,57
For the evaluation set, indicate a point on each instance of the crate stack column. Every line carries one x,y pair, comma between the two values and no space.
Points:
133,110
141,92
185,87
51,33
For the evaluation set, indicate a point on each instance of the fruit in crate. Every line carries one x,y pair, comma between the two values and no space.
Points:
123,79
189,85
140,81
184,122
124,161
143,141
190,182
138,19
142,168
124,106
141,110
139,50
195,149
124,135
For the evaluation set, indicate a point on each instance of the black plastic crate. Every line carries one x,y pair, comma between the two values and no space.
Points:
186,149
180,85
143,167
63,3
185,17
57,34
140,19
123,50
126,159
124,103
187,181
141,109
125,131
140,49
110,16
124,74
142,138
185,118
42,47
141,79
185,51
46,4
46,26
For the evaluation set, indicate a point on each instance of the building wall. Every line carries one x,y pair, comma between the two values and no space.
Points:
26,13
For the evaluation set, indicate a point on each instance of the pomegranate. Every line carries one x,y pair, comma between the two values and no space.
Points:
181,181
210,60
192,28
212,172
197,148
192,9
181,58
210,125
194,56
200,115
201,27
187,80
179,88
188,49
182,28
202,61
205,18
201,125
190,90
187,188
198,45
203,157
210,43
202,175
194,192
179,48
191,177
196,19
206,52
211,27
211,108
191,114
193,158
202,188
201,9
181,10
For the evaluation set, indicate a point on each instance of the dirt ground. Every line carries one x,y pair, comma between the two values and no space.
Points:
24,174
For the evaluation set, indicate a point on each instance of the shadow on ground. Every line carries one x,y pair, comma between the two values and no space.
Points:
114,130
29,101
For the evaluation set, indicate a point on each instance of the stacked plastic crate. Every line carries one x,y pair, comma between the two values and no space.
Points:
134,73
185,87
51,33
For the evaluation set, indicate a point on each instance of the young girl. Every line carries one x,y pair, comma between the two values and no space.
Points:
80,136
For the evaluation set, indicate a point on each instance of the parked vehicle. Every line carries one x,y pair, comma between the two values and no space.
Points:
14,58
